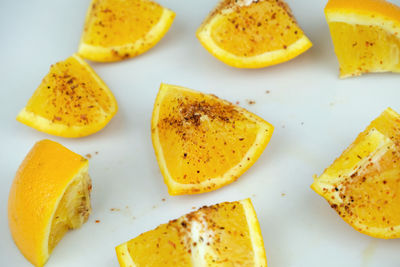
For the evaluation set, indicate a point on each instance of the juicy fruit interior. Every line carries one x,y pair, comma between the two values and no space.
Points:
263,26
118,22
362,49
217,234
202,138
73,210
69,95
363,185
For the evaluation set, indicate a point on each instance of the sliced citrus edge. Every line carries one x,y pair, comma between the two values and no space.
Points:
254,152
258,61
255,233
328,182
123,256
198,252
105,54
45,248
363,18
47,126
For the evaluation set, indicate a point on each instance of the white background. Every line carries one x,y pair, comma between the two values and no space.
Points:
316,116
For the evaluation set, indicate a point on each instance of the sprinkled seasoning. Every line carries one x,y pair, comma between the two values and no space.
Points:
205,136
365,195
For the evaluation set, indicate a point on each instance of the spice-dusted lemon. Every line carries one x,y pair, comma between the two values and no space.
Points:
225,234
71,101
50,194
366,35
202,142
252,33
120,29
363,184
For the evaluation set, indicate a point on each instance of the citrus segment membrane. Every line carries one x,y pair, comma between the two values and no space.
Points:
252,34
363,184
71,101
120,29
203,142
225,234
366,35
50,194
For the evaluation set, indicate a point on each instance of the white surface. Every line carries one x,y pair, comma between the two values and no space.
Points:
316,116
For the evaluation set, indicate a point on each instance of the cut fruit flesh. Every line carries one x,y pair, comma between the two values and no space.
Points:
49,195
252,35
73,210
225,234
202,142
71,101
363,184
120,29
366,35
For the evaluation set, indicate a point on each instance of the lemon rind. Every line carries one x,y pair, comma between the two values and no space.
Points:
258,61
105,54
175,188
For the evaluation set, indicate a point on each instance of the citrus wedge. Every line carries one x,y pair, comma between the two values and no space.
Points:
225,234
50,194
71,101
363,184
252,34
366,35
120,29
202,142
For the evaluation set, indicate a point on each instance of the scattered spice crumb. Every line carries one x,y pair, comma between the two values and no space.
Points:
97,152
97,221
114,209
154,206
268,91
237,102
283,194
172,243
251,102
163,200
193,208
89,156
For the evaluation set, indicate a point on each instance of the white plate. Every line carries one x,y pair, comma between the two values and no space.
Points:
316,116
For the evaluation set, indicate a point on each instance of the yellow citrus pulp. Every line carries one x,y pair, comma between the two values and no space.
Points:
50,194
226,234
363,184
366,35
120,29
252,34
202,142
71,101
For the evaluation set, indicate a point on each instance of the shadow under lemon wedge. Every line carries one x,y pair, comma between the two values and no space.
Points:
363,184
225,234
120,29
202,142
50,194
366,35
252,33
71,101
